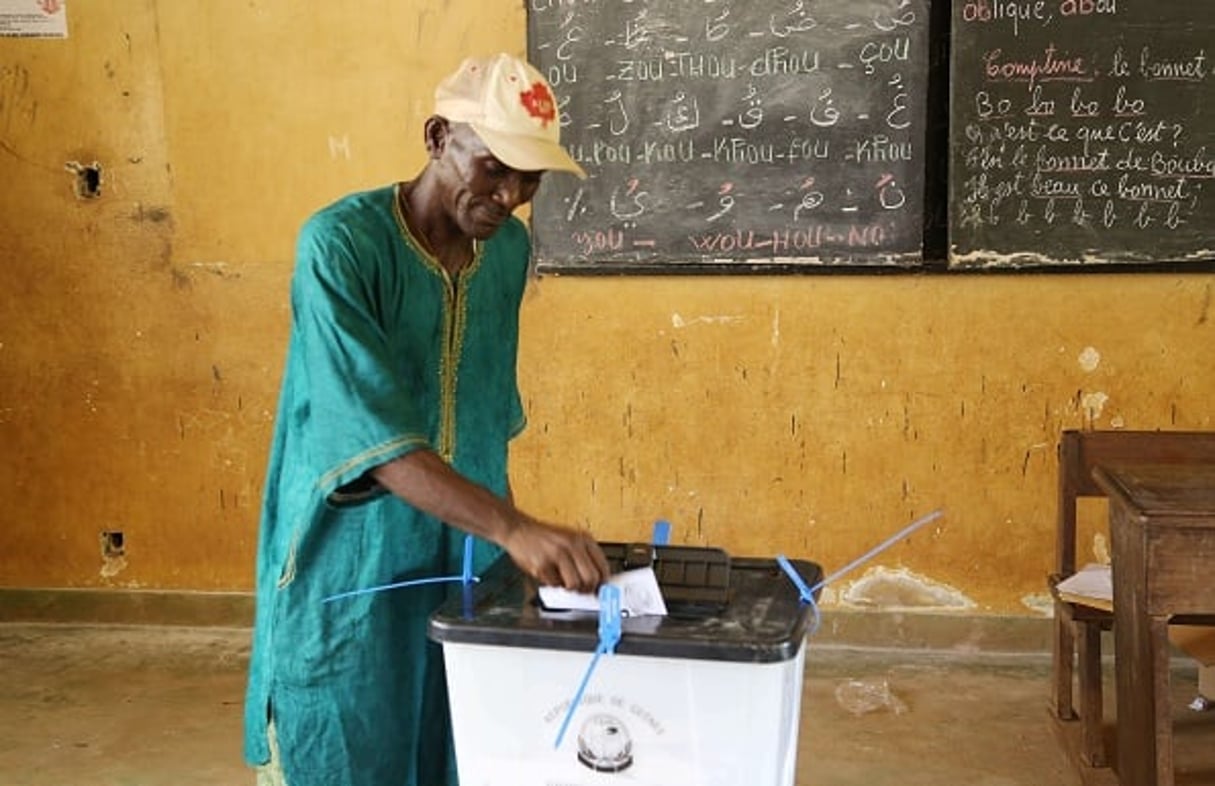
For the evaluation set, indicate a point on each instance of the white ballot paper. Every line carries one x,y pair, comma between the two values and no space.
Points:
639,595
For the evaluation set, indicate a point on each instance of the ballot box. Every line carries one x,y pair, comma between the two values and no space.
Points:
708,695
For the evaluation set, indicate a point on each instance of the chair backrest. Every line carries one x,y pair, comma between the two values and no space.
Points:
1081,451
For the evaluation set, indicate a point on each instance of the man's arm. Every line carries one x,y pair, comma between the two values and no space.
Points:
552,554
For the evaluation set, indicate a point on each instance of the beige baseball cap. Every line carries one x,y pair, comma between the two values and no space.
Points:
511,107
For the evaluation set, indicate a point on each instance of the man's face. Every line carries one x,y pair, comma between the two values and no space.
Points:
482,191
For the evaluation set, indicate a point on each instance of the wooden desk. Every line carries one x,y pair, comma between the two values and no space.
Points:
1162,525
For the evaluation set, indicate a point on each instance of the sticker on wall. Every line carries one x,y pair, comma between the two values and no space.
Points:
33,18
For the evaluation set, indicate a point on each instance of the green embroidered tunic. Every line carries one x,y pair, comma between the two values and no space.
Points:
387,355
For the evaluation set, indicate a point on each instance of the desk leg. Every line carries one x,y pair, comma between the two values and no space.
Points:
1092,712
1134,653
1162,706
1063,657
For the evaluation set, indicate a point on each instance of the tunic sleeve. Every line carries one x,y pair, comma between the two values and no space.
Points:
359,411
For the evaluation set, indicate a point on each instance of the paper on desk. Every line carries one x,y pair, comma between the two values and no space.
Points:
639,595
1092,585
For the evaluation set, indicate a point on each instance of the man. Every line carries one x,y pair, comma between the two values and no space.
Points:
397,404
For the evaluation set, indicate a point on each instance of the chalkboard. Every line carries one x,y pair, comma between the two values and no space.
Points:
734,134
1083,132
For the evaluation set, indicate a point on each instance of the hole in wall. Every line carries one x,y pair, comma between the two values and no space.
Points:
113,544
113,553
88,179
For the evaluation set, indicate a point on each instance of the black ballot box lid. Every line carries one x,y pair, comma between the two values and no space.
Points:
740,609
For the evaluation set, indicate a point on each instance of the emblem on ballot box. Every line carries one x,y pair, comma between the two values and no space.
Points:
604,744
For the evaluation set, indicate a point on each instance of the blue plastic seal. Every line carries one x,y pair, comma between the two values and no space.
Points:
610,626
466,578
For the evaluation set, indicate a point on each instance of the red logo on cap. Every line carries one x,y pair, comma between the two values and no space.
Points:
539,103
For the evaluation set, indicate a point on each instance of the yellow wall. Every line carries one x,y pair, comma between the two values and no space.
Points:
142,332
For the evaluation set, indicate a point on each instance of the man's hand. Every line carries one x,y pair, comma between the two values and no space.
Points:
557,556
553,555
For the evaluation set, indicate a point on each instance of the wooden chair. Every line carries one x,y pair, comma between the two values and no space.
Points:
1077,637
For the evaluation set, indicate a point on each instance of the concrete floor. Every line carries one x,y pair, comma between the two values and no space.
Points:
124,706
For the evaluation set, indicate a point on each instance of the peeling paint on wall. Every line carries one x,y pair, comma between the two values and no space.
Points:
1089,359
1041,604
1093,405
1101,549
679,322
219,269
339,147
899,588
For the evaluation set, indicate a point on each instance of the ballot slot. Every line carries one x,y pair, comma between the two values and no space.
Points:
694,580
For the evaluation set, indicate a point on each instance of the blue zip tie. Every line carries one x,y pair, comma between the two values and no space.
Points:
399,585
611,617
468,607
662,533
806,593
878,549
466,577
609,636
803,590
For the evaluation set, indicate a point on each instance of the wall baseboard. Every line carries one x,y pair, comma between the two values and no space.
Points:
911,630
127,607
925,630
